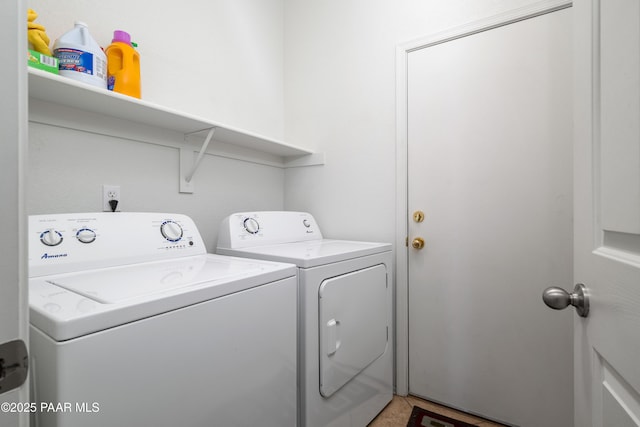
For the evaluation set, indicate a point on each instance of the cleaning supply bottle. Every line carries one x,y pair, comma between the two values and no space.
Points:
123,65
80,56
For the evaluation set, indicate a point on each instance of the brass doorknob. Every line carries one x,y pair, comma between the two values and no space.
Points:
417,243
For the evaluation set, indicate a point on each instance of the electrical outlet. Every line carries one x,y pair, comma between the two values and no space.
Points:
110,192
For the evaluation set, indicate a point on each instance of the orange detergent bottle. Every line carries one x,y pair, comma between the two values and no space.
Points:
123,65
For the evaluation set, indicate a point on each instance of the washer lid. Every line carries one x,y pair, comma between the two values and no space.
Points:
311,253
69,305
119,284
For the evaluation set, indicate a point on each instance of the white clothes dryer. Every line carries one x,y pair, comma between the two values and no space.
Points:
345,338
134,324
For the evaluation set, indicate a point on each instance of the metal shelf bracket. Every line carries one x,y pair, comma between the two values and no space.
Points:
188,166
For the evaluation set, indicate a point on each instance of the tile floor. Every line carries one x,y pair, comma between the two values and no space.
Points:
397,413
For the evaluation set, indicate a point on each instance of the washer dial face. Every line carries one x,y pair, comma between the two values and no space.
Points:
51,237
171,230
86,235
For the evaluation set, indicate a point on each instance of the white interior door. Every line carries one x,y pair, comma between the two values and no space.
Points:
607,211
13,128
489,164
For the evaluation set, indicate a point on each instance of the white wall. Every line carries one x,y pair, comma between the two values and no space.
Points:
218,59
68,169
340,100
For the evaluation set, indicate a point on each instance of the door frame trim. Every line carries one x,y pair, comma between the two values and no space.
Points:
402,209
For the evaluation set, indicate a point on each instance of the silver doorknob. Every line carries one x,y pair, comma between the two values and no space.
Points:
558,299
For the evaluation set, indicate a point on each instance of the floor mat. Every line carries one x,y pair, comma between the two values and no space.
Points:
423,418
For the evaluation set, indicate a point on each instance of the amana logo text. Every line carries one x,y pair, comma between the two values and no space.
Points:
47,256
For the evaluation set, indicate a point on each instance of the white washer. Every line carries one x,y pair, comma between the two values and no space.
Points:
134,324
345,303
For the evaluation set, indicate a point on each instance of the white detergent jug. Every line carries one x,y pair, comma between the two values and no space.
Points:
80,56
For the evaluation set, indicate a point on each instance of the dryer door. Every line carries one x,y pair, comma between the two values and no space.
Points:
353,325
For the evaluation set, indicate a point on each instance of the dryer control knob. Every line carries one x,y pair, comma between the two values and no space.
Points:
171,230
251,225
51,237
86,235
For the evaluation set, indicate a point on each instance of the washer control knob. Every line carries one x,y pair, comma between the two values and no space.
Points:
51,237
306,223
171,230
251,225
86,235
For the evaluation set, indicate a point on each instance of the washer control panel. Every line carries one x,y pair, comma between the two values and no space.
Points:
246,229
60,243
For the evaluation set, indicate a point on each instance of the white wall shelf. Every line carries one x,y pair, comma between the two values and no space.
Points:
60,101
